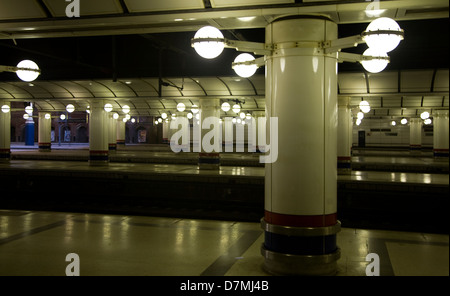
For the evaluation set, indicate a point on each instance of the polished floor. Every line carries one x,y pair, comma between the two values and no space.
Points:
37,243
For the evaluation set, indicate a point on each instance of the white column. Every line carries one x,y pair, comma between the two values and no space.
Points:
260,132
209,157
300,219
98,133
344,136
45,132
5,131
112,132
165,131
120,132
415,135
440,133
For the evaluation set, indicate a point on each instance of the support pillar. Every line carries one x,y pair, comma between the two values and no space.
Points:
5,133
209,156
344,137
45,132
440,133
112,133
165,131
415,135
120,132
300,220
29,130
260,134
98,134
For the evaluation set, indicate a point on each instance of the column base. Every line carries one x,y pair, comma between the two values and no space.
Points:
344,165
112,147
308,250
208,161
440,153
415,149
98,157
307,265
5,155
45,147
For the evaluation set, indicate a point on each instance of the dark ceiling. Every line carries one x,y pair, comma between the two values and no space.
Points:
426,46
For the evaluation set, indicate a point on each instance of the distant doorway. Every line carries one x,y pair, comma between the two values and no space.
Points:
361,138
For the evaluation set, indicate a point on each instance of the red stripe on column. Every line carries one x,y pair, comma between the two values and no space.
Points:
300,220
208,154
440,150
344,158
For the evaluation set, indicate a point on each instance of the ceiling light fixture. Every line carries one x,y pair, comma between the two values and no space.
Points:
26,70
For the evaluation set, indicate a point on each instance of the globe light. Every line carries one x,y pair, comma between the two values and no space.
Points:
164,115
26,116
248,116
174,116
189,115
242,115
116,115
226,107
126,109
393,123
197,116
29,110
233,120
133,120
236,108
47,116
427,121
6,108
245,70
108,107
238,120
364,106
358,121
156,122
181,107
70,108
383,34
62,117
27,75
424,115
159,120
208,49
375,65
404,121
194,109
128,117
360,115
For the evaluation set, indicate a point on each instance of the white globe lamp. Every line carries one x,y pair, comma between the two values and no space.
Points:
27,75
242,69
383,34
376,64
208,42
226,107
364,106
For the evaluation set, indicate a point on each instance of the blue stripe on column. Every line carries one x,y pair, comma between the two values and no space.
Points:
344,165
300,245
209,160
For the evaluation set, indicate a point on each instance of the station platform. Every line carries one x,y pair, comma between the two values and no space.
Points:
368,159
36,243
